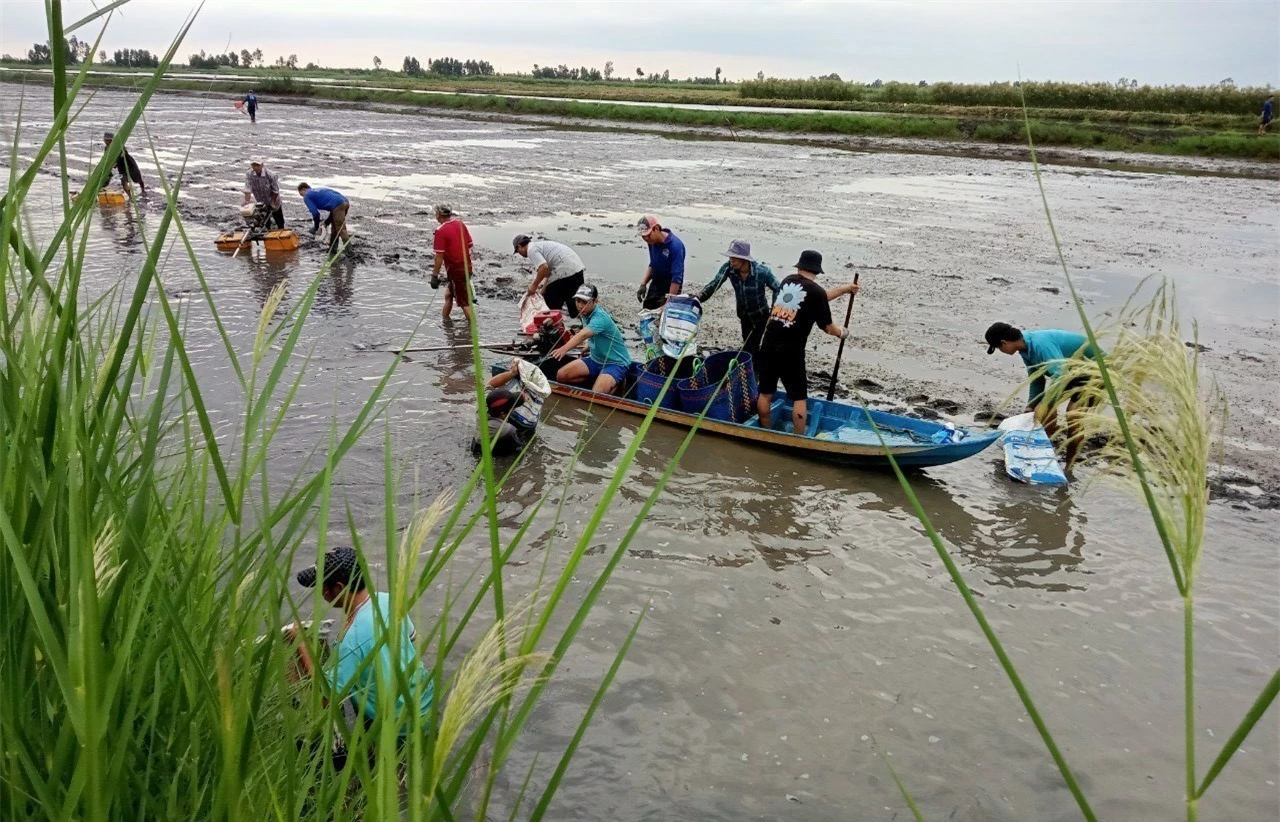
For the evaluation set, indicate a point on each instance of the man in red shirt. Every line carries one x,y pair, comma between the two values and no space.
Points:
453,251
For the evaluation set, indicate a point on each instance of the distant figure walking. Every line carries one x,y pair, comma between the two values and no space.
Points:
251,105
1266,113
326,199
125,164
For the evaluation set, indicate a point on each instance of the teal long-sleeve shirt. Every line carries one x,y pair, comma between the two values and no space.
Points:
1049,349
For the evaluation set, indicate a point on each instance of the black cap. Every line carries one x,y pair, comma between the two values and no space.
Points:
520,239
586,292
810,261
108,135
340,565
1001,332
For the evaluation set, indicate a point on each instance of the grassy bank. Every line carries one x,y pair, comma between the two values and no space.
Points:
1179,140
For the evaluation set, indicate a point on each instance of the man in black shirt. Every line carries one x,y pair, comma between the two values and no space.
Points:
800,305
125,164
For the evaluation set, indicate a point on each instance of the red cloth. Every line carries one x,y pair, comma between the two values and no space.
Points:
453,241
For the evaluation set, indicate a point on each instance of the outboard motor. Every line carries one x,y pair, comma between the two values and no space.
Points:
514,409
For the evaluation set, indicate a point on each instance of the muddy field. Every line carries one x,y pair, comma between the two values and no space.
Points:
795,609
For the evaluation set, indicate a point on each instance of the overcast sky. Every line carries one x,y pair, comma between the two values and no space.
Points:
1153,41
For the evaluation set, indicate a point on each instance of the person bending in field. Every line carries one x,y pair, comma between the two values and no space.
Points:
557,271
326,199
125,165
1044,353
607,360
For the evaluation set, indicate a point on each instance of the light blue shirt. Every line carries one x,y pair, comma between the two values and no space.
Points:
607,347
1048,349
365,663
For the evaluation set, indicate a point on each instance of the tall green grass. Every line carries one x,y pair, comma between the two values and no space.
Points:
147,542
1163,432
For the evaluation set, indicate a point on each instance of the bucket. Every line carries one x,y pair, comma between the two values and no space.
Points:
678,327
732,401
653,376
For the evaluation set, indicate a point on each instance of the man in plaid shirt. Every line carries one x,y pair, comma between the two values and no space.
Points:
749,280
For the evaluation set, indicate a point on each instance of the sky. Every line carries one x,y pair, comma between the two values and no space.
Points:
1153,41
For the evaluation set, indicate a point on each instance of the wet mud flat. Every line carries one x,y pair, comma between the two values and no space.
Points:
794,609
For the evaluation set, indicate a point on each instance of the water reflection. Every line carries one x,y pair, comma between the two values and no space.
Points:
121,223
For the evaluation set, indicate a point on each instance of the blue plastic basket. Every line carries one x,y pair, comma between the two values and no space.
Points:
733,400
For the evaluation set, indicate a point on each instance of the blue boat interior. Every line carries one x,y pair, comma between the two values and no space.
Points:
838,422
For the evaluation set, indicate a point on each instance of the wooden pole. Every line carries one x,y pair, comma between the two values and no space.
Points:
835,369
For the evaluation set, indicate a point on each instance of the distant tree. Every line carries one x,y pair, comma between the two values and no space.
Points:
608,69
1126,82
1227,82
878,83
666,75
412,67
377,63
922,83
257,57
312,67
39,53
639,71
246,58
102,57
717,75
9,58
292,62
135,57
831,76
759,75
233,58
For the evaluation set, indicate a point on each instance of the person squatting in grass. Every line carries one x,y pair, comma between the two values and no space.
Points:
452,245
801,304
558,271
364,660
1044,352
263,186
665,275
607,360
326,199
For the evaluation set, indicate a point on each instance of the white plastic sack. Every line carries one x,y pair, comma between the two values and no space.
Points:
1022,422
529,307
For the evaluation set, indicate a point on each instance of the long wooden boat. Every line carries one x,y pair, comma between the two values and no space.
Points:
837,432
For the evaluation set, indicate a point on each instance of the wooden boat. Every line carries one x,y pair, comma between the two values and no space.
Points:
281,239
837,432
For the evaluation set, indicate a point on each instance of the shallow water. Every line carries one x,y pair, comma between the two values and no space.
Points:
794,610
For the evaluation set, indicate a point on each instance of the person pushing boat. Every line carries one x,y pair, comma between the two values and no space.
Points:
263,186
558,271
1044,353
750,280
607,360
801,304
665,275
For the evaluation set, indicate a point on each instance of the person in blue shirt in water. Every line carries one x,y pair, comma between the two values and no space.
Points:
366,662
607,360
251,105
1044,353
326,199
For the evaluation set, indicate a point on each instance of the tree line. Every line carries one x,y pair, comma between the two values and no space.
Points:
444,67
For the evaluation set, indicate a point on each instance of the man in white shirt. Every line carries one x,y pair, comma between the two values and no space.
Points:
558,271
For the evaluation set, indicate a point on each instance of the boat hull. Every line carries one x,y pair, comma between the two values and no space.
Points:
862,454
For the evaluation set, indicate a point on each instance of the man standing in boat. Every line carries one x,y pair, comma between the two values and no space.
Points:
801,304
557,271
607,360
264,187
1044,353
125,165
750,279
452,244
665,275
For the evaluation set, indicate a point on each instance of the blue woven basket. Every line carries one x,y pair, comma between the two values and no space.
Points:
653,376
733,400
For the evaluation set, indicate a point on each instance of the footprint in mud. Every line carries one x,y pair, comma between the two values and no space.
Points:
1052,289
999,281
924,412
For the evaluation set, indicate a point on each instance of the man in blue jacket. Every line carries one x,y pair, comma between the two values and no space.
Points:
326,199
665,275
1044,353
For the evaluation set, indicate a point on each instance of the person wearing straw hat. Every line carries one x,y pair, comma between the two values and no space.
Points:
125,165
365,660
665,275
558,271
750,280
607,360
452,244
801,304
263,186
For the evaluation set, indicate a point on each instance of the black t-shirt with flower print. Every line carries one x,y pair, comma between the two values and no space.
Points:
800,305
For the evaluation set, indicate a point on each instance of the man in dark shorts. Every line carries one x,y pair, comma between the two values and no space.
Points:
558,271
125,165
452,245
1044,352
801,304
1267,108
665,275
